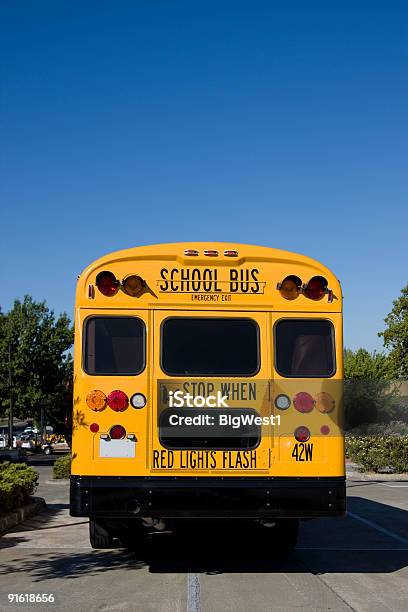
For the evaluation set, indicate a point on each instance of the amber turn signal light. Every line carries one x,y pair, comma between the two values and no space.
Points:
96,400
133,285
290,287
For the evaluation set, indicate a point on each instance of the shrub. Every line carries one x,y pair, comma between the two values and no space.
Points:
62,467
394,428
17,483
374,453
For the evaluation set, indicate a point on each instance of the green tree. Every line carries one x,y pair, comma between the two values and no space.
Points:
395,335
362,364
41,365
368,397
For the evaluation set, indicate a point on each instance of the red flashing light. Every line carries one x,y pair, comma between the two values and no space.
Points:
316,288
118,400
107,283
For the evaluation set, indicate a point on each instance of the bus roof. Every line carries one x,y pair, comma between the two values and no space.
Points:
177,274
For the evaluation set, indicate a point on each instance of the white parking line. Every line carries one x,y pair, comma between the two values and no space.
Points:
390,534
193,593
393,486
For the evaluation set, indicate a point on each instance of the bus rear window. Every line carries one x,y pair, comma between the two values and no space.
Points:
304,348
114,346
210,347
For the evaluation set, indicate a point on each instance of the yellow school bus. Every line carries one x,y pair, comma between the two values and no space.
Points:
207,386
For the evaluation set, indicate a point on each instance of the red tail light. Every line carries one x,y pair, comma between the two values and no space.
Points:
107,283
303,402
118,401
117,432
302,434
316,288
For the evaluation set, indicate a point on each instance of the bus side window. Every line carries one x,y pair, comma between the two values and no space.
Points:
304,348
114,345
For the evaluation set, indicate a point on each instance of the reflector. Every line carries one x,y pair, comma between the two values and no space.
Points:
325,429
133,285
94,427
107,283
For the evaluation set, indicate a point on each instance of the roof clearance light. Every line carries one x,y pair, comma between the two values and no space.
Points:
290,287
303,402
138,400
107,283
282,402
96,400
133,285
231,253
191,252
316,288
118,401
302,434
117,432
211,253
324,402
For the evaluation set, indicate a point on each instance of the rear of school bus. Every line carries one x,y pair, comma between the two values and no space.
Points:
207,385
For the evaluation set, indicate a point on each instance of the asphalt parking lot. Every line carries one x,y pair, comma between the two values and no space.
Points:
357,563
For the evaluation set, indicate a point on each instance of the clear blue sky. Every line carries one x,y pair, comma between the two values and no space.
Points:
281,123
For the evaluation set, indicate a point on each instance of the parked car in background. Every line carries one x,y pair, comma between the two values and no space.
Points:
4,441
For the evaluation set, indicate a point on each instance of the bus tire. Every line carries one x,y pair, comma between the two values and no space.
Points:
100,538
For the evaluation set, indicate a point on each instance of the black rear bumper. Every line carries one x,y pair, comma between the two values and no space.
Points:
171,497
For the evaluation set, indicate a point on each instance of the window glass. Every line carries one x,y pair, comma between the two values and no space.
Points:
210,347
114,345
304,348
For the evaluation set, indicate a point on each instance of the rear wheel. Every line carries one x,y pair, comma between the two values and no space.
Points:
100,537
